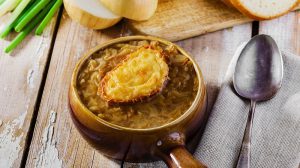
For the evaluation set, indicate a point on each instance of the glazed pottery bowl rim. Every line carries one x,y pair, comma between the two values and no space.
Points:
89,53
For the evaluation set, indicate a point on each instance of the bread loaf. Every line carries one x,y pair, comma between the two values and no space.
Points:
263,9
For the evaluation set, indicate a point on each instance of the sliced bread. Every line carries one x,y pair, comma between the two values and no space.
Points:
263,9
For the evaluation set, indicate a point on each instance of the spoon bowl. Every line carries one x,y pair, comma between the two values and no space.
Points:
258,76
259,70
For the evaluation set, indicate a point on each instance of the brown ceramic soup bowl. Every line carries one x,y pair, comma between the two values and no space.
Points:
166,141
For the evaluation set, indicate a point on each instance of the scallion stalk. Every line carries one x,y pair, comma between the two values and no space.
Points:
29,28
17,11
8,28
31,14
1,1
7,6
28,8
49,16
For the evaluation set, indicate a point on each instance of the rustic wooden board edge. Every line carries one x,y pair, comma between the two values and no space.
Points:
210,29
188,34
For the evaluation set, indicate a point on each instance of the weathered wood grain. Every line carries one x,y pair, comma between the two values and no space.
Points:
56,143
190,18
213,53
285,30
21,74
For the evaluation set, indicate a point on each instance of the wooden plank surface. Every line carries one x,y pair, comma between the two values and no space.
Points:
21,74
56,143
285,30
213,53
190,18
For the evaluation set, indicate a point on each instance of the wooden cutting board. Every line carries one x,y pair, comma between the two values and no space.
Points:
180,19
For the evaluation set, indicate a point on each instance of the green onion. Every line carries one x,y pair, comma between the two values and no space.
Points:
29,7
7,6
1,1
8,28
29,28
6,31
28,17
17,11
49,16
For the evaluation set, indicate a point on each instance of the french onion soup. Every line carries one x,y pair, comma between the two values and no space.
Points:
138,84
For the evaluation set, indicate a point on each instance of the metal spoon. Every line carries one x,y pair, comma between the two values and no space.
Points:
258,76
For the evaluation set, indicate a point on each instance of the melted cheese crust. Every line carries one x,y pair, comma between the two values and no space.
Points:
142,74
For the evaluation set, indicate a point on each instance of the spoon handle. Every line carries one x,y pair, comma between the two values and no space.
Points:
244,157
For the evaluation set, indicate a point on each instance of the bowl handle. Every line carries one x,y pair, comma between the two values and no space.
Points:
172,150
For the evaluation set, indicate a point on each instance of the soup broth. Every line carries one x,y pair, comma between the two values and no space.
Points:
174,99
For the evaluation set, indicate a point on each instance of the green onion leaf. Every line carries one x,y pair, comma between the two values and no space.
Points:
8,6
29,28
1,1
49,16
31,14
9,27
17,11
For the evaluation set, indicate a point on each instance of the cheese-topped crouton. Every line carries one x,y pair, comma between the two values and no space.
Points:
141,75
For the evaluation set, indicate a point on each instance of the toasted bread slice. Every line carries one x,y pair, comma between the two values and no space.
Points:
262,9
141,75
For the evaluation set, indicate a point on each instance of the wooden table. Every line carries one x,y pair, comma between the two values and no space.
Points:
35,125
